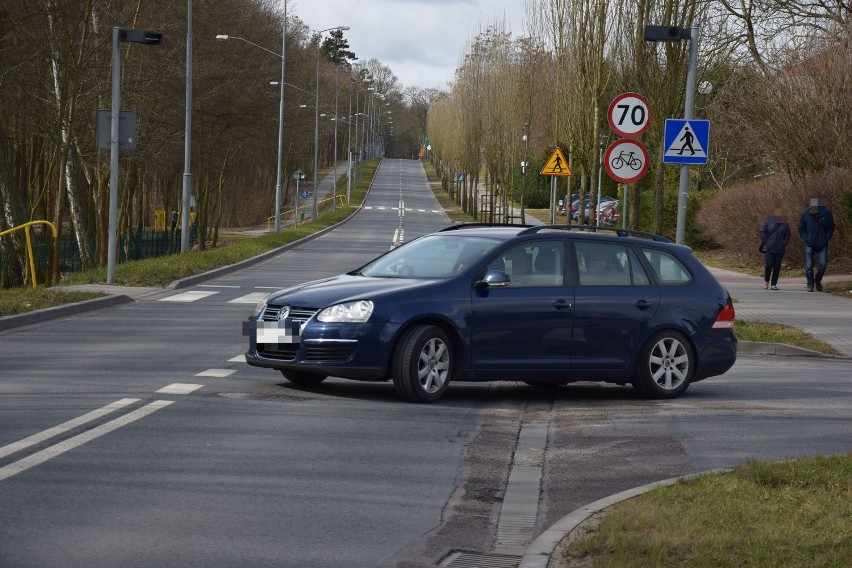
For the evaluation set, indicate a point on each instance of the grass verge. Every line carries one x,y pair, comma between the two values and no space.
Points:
779,333
792,513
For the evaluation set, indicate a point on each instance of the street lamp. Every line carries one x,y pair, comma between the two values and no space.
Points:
674,33
223,37
357,139
316,113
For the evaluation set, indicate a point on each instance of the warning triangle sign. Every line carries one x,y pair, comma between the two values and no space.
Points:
686,143
557,165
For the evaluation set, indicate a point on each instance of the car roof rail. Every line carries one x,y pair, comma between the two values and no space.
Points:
479,225
594,229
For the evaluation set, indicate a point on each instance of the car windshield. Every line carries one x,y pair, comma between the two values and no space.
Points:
434,256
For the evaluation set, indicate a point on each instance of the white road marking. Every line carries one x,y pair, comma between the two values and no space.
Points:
216,373
216,286
187,296
252,298
179,388
80,439
237,359
65,426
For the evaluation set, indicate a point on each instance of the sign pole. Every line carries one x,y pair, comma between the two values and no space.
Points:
113,158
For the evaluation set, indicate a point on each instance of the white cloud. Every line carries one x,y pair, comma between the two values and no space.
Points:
420,41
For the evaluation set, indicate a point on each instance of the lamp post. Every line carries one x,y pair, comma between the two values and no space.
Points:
357,139
674,33
316,113
601,141
223,37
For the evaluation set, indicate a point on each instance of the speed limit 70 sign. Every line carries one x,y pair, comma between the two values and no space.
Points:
629,115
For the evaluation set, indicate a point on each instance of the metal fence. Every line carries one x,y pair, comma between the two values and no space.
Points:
136,246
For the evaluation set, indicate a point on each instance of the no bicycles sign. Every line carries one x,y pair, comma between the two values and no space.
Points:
626,160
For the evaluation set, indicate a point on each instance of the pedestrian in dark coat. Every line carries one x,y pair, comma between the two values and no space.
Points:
775,234
816,227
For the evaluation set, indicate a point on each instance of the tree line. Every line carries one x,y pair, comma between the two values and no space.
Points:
773,79
55,74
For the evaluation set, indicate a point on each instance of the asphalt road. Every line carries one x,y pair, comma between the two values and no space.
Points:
135,436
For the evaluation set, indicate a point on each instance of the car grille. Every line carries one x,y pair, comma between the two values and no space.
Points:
301,315
283,351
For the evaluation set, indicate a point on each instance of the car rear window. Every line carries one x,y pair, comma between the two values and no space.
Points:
667,268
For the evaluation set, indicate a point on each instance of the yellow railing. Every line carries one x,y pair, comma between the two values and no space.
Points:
26,228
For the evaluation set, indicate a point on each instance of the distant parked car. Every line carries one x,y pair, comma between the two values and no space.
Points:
547,305
575,205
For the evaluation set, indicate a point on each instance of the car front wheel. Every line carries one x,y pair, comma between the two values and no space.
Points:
422,364
302,378
666,365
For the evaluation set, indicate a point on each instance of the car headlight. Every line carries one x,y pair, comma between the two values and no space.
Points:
348,312
258,309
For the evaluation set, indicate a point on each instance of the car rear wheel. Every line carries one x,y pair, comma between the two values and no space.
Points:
422,364
303,378
666,365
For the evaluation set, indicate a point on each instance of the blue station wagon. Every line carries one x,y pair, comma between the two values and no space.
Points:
546,305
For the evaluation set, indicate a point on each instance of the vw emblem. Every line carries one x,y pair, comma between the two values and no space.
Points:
285,311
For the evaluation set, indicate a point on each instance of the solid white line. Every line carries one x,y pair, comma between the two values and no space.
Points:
80,439
216,286
64,427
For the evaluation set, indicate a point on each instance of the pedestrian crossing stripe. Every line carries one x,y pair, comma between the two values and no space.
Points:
252,298
187,296
686,141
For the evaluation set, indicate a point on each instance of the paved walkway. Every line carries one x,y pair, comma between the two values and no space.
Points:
825,316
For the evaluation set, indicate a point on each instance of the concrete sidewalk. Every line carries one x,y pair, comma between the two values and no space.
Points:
825,316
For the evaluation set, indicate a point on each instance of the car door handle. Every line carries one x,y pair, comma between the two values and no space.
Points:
562,305
643,304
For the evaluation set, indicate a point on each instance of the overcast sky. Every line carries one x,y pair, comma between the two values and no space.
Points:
421,41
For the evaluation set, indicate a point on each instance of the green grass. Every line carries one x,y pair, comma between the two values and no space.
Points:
792,513
21,300
779,333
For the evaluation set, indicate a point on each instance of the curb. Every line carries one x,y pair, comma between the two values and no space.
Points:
539,552
759,348
46,314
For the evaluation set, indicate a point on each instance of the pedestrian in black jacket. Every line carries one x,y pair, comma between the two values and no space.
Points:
775,234
816,226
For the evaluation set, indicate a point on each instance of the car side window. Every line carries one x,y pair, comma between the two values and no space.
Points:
532,264
667,268
602,264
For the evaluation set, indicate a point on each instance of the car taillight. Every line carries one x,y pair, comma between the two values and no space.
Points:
726,317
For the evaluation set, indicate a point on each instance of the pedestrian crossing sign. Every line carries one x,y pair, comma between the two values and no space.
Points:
557,165
686,141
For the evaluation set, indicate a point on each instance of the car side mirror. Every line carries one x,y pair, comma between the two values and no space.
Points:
494,279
